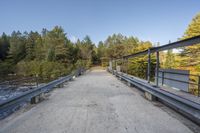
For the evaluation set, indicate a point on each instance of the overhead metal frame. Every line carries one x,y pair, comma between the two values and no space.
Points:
182,43
178,44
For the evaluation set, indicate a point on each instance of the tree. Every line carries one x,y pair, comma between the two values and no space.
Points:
190,52
117,46
86,51
86,48
51,54
31,40
17,49
114,45
138,65
32,53
55,44
4,46
170,60
101,51
193,28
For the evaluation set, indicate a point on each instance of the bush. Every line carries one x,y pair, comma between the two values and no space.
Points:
6,68
86,64
44,69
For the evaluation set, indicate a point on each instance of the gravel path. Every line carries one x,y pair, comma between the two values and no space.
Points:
94,103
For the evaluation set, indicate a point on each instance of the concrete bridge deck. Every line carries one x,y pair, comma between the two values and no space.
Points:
94,103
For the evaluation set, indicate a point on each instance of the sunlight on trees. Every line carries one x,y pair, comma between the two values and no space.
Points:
51,54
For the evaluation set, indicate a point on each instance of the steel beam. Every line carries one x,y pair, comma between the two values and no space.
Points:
157,67
178,44
126,66
149,66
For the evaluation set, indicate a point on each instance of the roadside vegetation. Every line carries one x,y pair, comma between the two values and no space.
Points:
51,54
47,55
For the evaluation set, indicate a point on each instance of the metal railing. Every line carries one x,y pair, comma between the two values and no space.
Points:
193,83
183,43
187,107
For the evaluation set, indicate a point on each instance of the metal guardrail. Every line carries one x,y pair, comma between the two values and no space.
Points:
188,108
11,104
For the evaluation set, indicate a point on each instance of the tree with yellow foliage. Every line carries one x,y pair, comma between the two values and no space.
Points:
191,54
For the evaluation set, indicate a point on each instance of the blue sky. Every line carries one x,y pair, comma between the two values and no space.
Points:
153,20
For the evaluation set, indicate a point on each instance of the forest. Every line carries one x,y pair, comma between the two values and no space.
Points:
50,53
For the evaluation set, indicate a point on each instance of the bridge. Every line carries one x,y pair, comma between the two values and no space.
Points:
96,102
109,101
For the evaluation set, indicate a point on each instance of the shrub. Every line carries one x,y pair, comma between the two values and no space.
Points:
44,69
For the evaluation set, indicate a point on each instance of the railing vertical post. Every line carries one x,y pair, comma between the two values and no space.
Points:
162,78
157,67
115,64
127,66
110,65
113,67
199,87
149,66
36,78
122,68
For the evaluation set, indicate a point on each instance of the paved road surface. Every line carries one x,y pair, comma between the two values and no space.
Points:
95,103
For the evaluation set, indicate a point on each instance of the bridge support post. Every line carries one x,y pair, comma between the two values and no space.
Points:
110,65
60,85
129,84
126,66
122,66
157,68
42,96
149,66
35,99
149,96
115,64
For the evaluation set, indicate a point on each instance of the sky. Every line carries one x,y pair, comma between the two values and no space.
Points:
149,20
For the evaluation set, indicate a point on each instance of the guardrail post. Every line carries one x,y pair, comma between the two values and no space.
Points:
149,66
60,85
35,99
157,67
